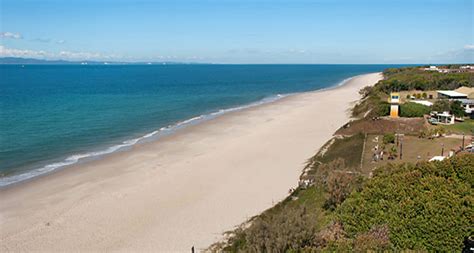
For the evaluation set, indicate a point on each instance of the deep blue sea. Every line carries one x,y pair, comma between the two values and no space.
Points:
57,115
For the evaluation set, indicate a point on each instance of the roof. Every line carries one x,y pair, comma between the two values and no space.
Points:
451,93
422,102
465,90
442,114
465,101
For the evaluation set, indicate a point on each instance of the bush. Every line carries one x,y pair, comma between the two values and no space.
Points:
441,105
376,239
388,138
339,185
280,232
383,109
413,110
334,232
427,206
364,92
424,95
457,109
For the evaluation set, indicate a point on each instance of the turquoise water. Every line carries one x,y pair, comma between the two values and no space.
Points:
56,115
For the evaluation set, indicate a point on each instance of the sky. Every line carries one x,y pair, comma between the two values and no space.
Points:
231,31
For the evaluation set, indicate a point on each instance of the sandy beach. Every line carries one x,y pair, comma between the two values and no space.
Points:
183,190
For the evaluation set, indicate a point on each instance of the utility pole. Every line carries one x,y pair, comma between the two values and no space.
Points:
401,148
463,135
442,149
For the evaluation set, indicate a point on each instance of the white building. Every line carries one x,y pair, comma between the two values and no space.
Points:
443,118
467,104
431,68
450,94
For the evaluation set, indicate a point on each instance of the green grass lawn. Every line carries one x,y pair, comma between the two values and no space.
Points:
466,127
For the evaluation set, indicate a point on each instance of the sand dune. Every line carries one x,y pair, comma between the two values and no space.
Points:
183,190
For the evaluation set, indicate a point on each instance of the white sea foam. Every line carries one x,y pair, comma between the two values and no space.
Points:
73,159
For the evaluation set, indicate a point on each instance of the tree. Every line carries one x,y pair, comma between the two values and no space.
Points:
441,105
456,109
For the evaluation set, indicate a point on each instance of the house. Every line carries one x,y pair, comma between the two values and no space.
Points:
394,104
450,94
431,68
468,106
443,118
466,67
449,70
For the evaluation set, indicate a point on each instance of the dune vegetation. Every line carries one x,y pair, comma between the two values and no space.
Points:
341,206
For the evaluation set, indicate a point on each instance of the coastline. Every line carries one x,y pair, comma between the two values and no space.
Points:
183,190
155,135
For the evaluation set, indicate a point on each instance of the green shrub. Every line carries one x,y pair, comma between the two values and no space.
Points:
457,109
413,110
277,232
388,138
339,185
383,108
364,92
441,105
427,206
376,239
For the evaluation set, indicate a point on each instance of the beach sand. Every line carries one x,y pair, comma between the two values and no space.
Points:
183,190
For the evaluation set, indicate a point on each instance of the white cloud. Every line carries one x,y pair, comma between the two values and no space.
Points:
47,40
67,55
469,47
10,35
12,52
462,55
297,51
82,55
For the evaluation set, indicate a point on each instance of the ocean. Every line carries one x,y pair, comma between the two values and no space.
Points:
52,116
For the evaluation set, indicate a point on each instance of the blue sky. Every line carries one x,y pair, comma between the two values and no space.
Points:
228,31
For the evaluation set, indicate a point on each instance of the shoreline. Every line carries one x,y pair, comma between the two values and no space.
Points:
152,136
183,190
